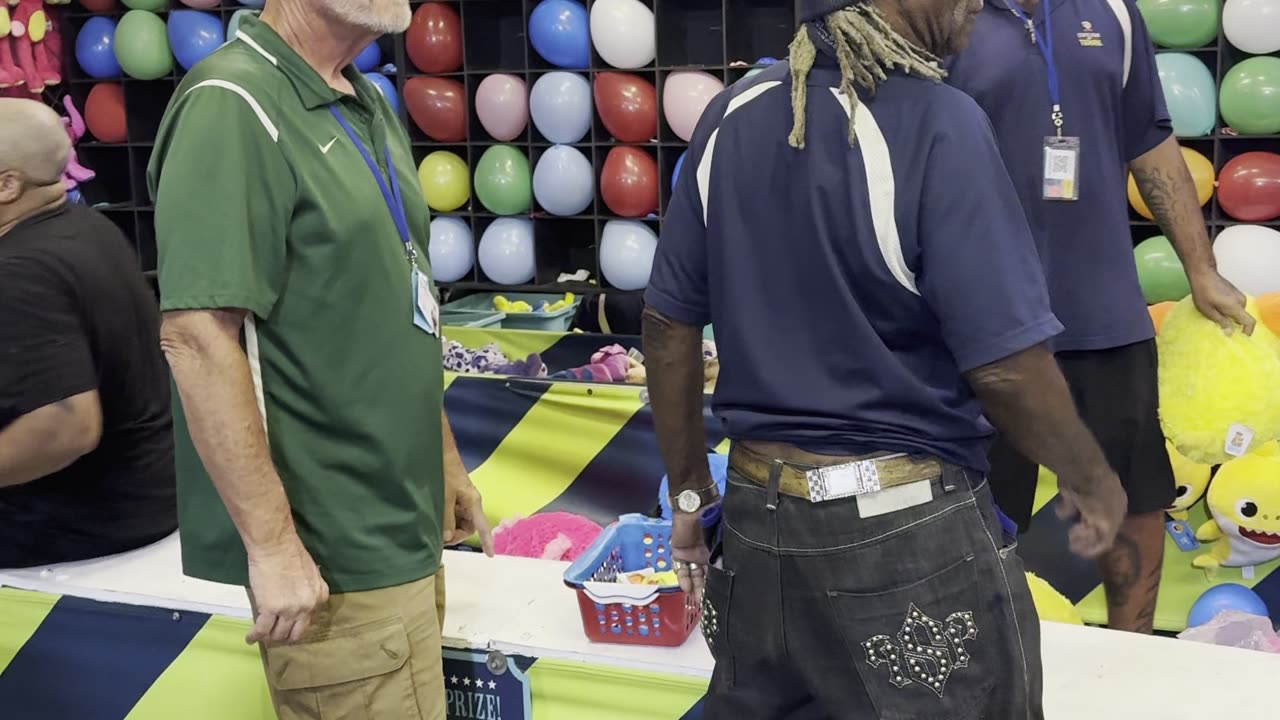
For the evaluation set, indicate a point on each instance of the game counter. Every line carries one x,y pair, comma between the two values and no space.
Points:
143,642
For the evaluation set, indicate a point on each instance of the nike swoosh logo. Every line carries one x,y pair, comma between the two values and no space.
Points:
325,148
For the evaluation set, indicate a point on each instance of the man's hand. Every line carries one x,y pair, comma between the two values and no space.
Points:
1220,301
464,512
1099,506
690,553
287,589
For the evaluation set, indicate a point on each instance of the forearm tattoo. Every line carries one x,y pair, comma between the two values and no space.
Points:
673,366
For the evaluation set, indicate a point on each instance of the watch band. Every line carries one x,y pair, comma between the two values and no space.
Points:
706,496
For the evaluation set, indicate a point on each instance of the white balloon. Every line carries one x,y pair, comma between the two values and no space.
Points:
623,33
564,181
1252,25
1249,257
560,104
452,251
626,253
506,251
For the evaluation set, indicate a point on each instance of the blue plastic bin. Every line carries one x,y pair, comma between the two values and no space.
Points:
471,318
558,321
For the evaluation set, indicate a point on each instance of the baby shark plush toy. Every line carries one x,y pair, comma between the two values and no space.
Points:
1244,502
1191,478
1219,393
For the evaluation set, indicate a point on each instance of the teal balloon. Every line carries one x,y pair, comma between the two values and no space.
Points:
502,179
1160,271
1189,93
1251,96
1181,24
142,46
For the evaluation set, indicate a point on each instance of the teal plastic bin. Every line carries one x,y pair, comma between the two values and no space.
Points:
558,321
470,318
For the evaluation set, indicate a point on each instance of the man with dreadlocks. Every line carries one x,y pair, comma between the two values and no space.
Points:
1075,101
849,228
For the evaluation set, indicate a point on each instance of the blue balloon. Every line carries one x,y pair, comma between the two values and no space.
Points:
675,174
506,251
559,31
451,250
94,51
386,87
369,57
193,35
563,181
627,248
1228,596
1189,93
560,105
253,3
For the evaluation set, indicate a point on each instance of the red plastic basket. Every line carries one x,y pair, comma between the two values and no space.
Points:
630,614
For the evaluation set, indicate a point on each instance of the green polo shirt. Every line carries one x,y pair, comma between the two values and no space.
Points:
264,203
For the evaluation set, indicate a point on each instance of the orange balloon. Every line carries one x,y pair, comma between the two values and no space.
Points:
104,114
1269,309
438,106
629,182
1158,313
1202,173
434,38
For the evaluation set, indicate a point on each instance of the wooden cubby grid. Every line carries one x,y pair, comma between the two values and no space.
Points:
720,37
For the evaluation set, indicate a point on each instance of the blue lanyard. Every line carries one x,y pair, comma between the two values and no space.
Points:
391,195
1045,43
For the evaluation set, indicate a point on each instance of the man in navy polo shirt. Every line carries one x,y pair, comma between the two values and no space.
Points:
850,229
1074,97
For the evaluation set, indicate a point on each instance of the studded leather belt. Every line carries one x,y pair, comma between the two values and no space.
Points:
822,478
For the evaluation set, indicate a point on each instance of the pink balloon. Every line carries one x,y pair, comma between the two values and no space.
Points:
684,96
502,105
201,4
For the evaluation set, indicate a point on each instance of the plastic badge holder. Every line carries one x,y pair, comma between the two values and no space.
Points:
630,614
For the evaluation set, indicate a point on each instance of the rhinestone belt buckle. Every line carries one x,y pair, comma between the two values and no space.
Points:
842,481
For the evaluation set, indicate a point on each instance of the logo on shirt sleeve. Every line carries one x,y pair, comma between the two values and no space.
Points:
1088,37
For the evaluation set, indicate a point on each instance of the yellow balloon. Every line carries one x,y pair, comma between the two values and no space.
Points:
446,183
1201,171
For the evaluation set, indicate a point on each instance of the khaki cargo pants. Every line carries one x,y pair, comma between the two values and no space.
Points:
367,656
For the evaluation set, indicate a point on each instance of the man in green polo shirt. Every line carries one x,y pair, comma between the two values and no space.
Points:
315,465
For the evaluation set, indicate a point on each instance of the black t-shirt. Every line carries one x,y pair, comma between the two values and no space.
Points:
76,315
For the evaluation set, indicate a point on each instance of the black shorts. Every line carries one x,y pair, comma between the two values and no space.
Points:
1115,393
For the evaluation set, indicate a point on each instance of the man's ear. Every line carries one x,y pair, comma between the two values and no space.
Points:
11,182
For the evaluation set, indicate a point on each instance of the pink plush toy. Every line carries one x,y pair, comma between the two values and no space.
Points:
545,536
74,123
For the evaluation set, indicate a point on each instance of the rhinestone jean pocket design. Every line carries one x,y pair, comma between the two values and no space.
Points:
926,652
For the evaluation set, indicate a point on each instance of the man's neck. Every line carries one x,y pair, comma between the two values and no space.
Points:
36,202
325,44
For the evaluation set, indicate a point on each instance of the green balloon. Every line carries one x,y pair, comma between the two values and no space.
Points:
1250,96
149,5
1160,271
1181,24
502,180
142,46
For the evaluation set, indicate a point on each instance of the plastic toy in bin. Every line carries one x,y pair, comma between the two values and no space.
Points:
617,610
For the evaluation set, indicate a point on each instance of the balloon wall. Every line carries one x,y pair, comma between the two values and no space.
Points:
571,119
1221,83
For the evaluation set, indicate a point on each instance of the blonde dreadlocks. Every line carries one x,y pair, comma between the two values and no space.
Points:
866,47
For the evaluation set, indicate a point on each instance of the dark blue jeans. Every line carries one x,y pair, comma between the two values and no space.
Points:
919,613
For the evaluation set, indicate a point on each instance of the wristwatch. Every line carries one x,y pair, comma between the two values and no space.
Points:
691,501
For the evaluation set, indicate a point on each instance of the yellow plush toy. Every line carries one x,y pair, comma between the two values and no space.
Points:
1052,605
1191,478
1244,502
1219,394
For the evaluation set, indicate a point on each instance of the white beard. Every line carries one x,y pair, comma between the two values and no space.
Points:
394,18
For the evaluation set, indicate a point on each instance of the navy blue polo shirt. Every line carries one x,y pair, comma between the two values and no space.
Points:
1086,245
850,288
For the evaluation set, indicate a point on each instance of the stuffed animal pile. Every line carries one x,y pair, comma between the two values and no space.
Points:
30,46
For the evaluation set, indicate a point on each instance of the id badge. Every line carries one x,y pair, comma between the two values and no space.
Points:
1061,168
1181,535
426,312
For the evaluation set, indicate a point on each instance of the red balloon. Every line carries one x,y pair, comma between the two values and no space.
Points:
438,107
104,113
628,106
434,38
1249,187
98,6
629,182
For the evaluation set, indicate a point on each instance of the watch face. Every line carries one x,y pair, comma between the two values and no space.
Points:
688,501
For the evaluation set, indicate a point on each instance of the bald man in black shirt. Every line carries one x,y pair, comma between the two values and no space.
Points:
86,441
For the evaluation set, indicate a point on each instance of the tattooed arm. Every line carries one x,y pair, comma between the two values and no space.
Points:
1169,191
673,362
